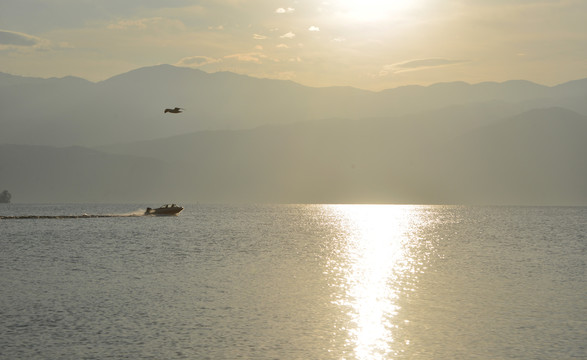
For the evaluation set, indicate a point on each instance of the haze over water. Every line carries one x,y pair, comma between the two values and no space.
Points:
294,282
293,102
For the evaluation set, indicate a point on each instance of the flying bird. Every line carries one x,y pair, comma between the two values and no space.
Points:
174,111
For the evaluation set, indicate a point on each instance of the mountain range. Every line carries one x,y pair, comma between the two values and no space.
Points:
257,140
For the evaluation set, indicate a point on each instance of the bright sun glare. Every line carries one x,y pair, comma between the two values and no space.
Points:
373,10
372,258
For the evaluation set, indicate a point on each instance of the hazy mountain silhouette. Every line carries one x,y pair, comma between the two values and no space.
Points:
129,107
532,158
536,157
259,140
75,174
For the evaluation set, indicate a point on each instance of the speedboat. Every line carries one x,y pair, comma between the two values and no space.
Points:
169,209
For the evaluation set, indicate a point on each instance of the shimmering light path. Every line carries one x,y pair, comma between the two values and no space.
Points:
371,265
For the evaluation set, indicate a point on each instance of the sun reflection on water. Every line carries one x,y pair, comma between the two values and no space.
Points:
369,267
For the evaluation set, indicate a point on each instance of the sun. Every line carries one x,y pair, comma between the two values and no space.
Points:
373,10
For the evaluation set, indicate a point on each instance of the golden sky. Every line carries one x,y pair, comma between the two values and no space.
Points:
368,44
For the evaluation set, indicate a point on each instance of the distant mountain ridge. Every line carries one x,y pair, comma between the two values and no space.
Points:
243,139
44,174
533,158
129,106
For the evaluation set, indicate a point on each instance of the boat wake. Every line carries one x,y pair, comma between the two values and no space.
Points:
137,213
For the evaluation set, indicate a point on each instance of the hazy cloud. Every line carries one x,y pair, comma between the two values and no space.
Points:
247,57
143,24
285,75
284,10
413,64
196,61
132,33
25,42
418,64
17,39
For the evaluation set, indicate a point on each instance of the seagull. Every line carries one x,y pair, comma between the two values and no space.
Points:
174,111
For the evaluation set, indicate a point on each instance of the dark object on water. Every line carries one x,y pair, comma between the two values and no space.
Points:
165,210
5,197
173,111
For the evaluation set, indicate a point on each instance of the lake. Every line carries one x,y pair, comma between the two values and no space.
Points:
294,282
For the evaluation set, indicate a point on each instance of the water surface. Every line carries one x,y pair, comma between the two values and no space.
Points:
294,282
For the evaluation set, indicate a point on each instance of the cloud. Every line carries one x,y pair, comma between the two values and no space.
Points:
285,75
418,64
314,28
197,61
259,37
18,39
284,10
289,35
146,23
12,40
413,64
254,57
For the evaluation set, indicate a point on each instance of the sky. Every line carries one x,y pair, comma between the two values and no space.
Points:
368,44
